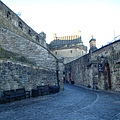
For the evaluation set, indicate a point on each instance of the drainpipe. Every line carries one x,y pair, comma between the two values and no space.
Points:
57,73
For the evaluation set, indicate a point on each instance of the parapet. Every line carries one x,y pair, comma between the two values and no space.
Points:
11,21
71,37
65,40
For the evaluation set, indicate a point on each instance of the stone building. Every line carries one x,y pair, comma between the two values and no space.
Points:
20,39
68,48
99,69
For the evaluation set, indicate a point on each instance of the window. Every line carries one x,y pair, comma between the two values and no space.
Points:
29,32
9,15
70,51
20,25
37,39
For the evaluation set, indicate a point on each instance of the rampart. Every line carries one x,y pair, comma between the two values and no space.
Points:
15,74
17,37
11,21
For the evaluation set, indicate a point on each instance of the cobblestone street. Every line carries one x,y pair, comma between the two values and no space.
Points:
74,103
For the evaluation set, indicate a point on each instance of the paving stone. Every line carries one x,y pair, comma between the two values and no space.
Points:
74,103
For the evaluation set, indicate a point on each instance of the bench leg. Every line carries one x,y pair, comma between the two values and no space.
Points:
9,100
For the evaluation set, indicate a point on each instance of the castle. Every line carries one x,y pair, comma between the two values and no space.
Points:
27,61
98,69
68,48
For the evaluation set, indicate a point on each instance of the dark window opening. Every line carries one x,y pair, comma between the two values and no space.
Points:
9,15
71,51
20,25
37,38
29,32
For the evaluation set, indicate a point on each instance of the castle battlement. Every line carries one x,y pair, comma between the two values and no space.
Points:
11,21
68,48
71,37
66,40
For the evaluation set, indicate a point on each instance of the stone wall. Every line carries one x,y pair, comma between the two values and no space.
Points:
15,75
69,53
17,37
60,70
12,22
33,51
67,50
99,69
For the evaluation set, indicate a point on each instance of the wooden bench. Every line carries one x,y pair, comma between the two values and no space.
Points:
54,89
43,89
2,99
16,94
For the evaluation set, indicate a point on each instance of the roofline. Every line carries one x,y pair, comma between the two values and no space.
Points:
107,45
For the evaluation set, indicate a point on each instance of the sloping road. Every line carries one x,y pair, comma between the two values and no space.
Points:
74,103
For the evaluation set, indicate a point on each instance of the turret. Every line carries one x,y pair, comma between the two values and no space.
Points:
92,45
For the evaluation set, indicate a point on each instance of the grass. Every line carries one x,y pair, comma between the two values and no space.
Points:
5,54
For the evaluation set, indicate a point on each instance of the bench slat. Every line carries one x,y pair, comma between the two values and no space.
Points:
18,93
43,89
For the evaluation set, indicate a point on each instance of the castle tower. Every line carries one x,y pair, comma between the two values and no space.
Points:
92,45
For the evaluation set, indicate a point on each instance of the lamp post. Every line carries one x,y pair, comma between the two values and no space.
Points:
102,59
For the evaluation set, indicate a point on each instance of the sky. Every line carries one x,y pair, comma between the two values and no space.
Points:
100,18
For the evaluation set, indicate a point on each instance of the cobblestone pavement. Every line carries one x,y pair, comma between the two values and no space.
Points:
74,103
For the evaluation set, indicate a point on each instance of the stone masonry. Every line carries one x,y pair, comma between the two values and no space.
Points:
16,75
99,69
68,48
17,37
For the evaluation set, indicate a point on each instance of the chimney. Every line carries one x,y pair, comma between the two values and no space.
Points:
54,36
92,44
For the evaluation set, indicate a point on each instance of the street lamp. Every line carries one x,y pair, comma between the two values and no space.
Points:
102,59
